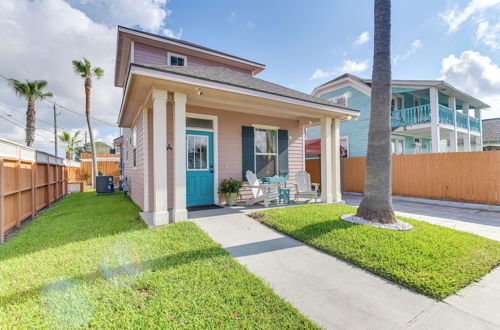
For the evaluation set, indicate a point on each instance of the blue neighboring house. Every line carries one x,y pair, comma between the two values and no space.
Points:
427,116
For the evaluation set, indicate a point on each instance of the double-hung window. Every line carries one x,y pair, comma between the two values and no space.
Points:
266,152
176,60
134,147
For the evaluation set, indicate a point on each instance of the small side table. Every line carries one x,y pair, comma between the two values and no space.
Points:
284,195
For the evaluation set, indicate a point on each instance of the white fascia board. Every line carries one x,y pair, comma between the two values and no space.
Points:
179,44
344,82
234,89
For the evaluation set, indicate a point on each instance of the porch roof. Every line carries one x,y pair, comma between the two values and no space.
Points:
226,80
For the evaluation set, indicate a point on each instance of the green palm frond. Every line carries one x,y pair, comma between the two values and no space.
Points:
98,72
85,70
31,89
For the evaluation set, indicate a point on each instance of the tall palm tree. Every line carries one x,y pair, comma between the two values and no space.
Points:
32,91
71,142
88,73
376,204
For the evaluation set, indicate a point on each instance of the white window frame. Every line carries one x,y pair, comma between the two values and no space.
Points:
134,147
208,154
418,100
395,98
215,131
346,137
344,96
400,138
255,153
169,58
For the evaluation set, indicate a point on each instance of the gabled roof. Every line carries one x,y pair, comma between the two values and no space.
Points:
127,36
442,85
491,130
234,78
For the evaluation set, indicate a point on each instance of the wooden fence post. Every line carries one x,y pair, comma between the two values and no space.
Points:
48,184
2,208
18,220
33,190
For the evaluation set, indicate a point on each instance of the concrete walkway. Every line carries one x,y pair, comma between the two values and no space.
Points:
482,223
337,295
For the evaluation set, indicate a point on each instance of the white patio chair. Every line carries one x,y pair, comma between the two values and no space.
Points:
303,187
260,193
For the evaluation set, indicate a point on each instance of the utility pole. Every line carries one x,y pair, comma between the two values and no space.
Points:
55,130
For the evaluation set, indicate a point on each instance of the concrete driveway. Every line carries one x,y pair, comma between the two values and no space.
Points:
482,223
337,295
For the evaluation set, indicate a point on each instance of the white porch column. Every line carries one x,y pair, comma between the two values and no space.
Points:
180,211
145,148
477,114
160,212
465,110
452,104
434,104
336,190
326,160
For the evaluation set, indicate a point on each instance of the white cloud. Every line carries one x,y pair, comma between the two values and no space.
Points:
347,66
148,14
488,34
415,45
475,74
456,16
171,34
362,38
39,39
353,66
318,74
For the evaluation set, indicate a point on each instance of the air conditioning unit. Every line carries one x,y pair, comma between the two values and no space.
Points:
104,184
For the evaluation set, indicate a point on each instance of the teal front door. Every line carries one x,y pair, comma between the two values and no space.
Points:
200,168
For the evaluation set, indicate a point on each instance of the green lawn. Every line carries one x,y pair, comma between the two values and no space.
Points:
431,260
89,262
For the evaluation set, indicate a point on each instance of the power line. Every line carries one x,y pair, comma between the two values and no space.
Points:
24,128
79,113
70,110
41,128
37,120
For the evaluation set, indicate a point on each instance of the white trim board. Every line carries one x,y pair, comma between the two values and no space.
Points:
215,130
159,74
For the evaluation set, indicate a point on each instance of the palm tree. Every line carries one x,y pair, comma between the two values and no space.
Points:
71,143
88,73
376,204
32,91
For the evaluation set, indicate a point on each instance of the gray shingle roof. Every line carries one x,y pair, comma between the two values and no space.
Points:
234,78
491,130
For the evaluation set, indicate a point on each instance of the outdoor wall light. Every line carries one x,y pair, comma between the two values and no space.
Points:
199,92
349,117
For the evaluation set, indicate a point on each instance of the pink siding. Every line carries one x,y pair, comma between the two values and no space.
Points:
135,174
150,55
229,146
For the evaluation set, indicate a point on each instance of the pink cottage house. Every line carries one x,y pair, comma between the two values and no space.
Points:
193,116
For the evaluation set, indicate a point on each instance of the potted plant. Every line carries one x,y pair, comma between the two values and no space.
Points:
231,190
86,177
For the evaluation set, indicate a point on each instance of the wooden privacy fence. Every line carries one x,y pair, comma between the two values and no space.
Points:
109,164
456,176
29,181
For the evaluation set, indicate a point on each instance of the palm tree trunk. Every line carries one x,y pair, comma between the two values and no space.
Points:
88,86
376,204
30,123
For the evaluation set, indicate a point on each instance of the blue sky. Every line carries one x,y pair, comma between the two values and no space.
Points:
302,43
